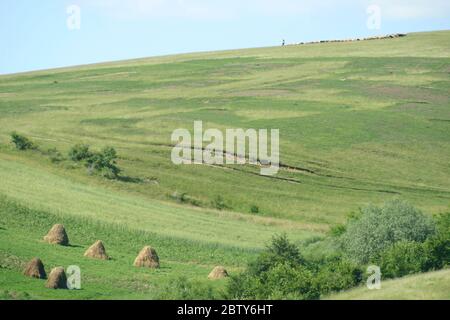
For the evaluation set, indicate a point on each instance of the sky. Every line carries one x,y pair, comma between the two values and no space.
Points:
47,34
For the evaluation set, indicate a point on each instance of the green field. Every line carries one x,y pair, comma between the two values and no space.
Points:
360,122
427,286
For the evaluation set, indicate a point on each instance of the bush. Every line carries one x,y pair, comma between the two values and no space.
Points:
338,274
219,203
254,209
185,198
21,142
279,272
79,152
104,162
437,248
378,228
403,258
279,251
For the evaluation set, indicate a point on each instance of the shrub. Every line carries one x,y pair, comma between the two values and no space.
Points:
219,203
437,248
279,251
254,209
337,274
79,152
379,228
403,258
104,162
287,282
279,272
337,230
21,142
185,198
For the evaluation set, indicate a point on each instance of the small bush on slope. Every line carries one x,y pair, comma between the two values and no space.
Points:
104,162
79,152
21,142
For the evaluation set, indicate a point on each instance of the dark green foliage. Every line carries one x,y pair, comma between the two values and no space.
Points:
21,142
278,273
337,274
79,152
437,247
186,198
403,258
104,162
379,228
280,251
254,209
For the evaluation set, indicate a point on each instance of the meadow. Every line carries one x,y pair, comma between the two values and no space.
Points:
360,122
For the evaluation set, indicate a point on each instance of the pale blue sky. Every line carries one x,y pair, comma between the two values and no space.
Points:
34,34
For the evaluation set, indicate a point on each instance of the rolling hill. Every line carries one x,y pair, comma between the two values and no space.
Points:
427,286
360,122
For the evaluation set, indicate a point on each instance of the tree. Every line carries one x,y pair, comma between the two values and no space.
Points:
378,228
104,162
79,152
21,142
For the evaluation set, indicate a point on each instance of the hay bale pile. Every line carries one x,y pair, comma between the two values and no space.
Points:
35,269
147,258
57,279
57,235
97,251
218,272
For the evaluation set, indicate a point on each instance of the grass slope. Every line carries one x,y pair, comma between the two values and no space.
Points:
427,286
359,122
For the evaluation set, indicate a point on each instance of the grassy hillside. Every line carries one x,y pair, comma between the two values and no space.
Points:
427,286
359,122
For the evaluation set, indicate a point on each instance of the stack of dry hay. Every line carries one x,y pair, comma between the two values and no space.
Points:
57,235
218,272
57,278
147,258
35,269
97,251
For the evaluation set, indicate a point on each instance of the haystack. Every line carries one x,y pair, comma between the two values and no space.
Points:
35,269
57,235
218,272
97,251
57,279
147,258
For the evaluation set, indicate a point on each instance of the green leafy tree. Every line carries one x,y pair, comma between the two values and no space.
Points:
104,162
403,258
21,142
79,152
378,228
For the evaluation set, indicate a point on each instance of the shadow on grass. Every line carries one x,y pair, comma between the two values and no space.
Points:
128,179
